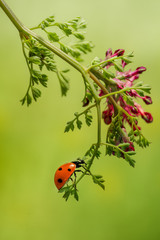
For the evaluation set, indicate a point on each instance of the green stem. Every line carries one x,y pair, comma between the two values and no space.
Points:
30,70
86,110
97,144
118,92
103,62
39,27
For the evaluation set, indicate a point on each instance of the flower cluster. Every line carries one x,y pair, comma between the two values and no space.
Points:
125,80
128,91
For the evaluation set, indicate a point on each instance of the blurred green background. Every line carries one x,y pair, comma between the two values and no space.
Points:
33,143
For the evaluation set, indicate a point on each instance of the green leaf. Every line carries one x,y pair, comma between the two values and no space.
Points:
130,55
128,99
64,27
88,119
138,84
121,145
108,74
50,19
126,59
66,195
64,83
29,99
140,92
67,49
70,126
36,93
146,88
53,37
118,67
79,35
23,100
77,23
96,60
35,60
98,176
64,189
84,46
92,151
46,22
129,160
98,181
50,64
43,80
76,195
79,123
131,152
65,70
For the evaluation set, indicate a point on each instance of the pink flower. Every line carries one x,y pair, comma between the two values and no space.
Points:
107,114
109,54
147,117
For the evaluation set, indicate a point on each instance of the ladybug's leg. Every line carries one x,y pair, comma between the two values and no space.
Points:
71,179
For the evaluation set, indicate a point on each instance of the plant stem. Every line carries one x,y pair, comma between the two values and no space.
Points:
103,62
97,144
118,92
96,80
86,110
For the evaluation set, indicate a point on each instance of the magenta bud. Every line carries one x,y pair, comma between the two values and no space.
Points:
141,69
108,120
147,117
118,53
134,110
147,100
85,102
109,53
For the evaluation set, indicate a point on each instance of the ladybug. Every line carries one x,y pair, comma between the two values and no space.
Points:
64,172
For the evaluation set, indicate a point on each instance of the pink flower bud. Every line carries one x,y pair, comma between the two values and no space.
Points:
141,69
134,110
85,102
107,114
109,53
147,117
108,120
118,52
147,100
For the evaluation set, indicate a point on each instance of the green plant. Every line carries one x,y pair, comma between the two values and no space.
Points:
105,81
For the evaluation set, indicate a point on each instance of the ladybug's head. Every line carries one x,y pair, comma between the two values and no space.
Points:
79,162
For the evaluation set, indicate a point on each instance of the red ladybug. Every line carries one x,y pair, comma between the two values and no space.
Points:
65,171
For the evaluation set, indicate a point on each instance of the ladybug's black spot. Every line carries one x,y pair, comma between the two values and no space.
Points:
60,169
60,180
69,169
